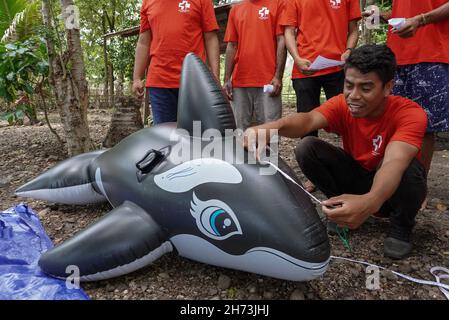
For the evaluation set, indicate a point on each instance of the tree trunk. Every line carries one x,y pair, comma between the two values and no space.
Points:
106,61
120,84
111,85
367,34
111,23
68,81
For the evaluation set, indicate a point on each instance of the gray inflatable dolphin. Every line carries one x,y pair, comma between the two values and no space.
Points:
220,212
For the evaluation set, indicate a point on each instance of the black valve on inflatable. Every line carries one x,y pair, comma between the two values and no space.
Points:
148,163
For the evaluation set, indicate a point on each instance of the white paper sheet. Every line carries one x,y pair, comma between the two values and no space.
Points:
324,63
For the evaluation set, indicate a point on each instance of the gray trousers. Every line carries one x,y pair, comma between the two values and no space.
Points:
253,102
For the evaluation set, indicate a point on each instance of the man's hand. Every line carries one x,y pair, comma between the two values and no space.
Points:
138,88
345,55
409,28
350,210
303,65
277,87
228,89
255,144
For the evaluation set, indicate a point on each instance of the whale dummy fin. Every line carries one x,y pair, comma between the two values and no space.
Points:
202,99
124,240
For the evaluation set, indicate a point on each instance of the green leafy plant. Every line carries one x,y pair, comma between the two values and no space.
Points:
23,66
17,115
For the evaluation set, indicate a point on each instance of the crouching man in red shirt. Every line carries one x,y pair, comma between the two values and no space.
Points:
378,169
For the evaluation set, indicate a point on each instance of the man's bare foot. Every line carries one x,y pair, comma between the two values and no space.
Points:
309,186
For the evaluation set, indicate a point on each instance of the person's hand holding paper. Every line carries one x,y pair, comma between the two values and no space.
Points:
321,63
304,67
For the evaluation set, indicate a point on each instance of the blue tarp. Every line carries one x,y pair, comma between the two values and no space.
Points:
22,241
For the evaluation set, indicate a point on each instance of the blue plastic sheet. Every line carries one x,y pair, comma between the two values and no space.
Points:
22,241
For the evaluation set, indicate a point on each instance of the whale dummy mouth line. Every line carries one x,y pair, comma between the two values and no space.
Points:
286,258
255,260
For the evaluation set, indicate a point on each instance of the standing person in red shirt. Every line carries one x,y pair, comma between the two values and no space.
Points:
255,57
170,29
378,170
421,46
319,27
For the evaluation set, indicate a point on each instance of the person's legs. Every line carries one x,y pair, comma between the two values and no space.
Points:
407,199
428,85
242,106
331,169
164,104
333,84
308,91
405,204
266,107
433,88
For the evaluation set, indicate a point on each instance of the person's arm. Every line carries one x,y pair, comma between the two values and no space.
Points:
438,15
412,25
141,62
353,210
231,50
281,57
353,38
294,126
290,42
212,46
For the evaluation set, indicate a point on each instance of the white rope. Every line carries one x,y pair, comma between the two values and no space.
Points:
438,272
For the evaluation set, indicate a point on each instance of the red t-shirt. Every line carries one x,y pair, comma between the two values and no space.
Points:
177,28
366,139
254,25
323,27
430,43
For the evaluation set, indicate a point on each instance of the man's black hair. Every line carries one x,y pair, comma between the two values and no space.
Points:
373,58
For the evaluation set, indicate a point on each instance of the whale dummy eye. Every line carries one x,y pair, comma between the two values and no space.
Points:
214,218
220,222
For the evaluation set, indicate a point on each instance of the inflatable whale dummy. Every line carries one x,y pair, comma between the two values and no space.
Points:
219,212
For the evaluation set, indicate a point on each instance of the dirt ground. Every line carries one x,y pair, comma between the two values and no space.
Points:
26,151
